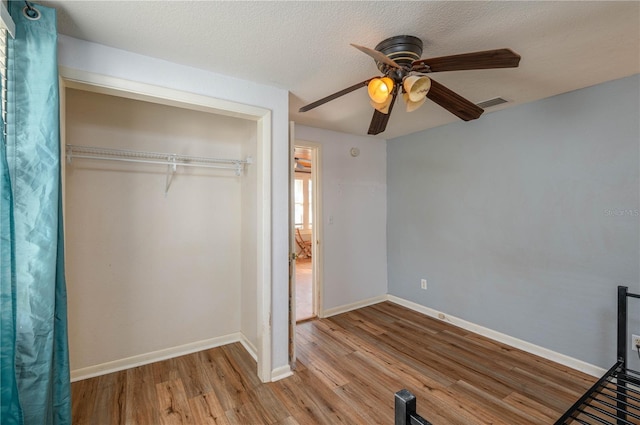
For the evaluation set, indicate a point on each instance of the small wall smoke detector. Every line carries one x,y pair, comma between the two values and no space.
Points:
354,152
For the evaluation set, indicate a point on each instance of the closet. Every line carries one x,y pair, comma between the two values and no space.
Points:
160,255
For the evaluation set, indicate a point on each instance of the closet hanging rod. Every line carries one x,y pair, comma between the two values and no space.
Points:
89,152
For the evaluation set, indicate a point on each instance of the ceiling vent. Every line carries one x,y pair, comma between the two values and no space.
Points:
492,102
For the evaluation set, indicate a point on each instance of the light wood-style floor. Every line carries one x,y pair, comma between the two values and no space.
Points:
349,367
304,288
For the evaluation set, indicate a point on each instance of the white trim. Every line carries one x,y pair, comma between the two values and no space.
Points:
74,78
6,21
281,373
263,246
353,306
248,345
154,356
503,338
104,84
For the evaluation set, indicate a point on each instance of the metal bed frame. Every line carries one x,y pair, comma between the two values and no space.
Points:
613,400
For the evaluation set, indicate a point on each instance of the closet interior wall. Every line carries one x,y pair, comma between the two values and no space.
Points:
148,272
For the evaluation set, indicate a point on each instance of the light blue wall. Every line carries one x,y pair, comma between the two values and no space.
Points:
525,220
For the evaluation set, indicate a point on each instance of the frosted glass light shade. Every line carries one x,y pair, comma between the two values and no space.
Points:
411,105
382,106
417,86
380,89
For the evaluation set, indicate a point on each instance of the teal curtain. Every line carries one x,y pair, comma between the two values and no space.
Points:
35,360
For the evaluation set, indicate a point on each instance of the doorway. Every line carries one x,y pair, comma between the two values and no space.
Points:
304,202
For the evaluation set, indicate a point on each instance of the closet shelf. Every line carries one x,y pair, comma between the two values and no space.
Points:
170,159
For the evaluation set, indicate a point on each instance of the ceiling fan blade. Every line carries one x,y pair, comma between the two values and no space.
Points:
453,102
488,59
380,120
335,95
380,57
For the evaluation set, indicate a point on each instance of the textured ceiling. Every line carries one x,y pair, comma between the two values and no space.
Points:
304,46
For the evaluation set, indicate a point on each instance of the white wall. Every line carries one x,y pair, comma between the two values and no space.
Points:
526,220
99,59
147,272
354,214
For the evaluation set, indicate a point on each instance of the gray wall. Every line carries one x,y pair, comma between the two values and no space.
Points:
525,220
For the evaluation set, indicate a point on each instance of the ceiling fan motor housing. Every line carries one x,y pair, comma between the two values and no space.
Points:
403,49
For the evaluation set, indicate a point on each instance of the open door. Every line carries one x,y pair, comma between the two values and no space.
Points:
292,253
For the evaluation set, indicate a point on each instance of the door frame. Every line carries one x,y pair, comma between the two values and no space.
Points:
88,81
317,236
316,230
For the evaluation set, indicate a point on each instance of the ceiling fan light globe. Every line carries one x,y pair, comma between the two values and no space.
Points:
382,106
417,87
379,89
411,105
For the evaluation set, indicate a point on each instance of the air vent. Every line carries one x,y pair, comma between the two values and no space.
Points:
492,102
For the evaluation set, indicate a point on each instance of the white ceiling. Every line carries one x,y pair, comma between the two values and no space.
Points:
304,46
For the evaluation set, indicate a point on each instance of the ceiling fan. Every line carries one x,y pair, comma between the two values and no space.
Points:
398,58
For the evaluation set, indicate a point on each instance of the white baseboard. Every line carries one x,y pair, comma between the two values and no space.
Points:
353,306
251,349
281,373
503,338
155,356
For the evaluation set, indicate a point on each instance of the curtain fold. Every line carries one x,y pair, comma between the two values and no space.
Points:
10,411
34,291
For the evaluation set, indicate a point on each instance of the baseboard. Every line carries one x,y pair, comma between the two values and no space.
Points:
155,356
353,306
503,338
251,349
281,373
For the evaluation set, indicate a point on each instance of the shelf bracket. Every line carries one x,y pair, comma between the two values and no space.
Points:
171,170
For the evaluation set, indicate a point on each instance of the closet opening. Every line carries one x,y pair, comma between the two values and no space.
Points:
166,198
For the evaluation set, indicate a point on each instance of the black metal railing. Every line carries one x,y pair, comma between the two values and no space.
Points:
406,410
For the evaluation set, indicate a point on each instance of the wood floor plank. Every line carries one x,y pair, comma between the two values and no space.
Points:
141,396
242,361
206,410
110,402
165,371
245,414
325,373
336,410
289,420
173,405
491,402
267,404
193,377
543,413
224,386
83,400
301,406
349,367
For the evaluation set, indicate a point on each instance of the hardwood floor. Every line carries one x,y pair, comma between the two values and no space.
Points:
304,288
349,367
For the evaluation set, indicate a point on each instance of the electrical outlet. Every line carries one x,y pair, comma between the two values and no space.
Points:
635,342
423,283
